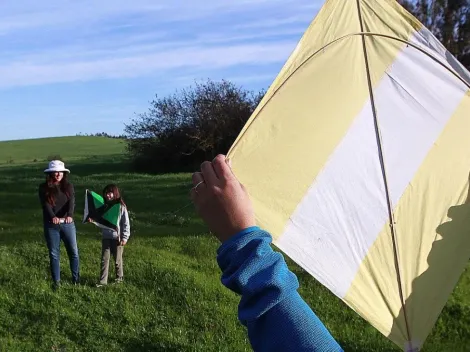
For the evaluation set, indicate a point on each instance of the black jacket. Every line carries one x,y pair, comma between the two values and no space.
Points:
64,206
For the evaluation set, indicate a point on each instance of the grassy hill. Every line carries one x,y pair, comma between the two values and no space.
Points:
172,298
69,148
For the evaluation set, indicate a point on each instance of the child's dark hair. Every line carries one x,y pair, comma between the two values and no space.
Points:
115,190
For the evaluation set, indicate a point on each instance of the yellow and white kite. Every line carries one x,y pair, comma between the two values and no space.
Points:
358,160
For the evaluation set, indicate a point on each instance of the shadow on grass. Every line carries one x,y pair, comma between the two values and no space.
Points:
158,205
94,166
143,345
79,167
349,346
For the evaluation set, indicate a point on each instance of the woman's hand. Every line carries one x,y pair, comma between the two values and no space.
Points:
221,201
55,220
68,220
123,243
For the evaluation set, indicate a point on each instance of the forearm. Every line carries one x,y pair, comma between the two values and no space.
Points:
45,205
71,207
276,317
125,226
49,210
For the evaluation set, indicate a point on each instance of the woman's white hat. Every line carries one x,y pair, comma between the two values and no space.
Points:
56,166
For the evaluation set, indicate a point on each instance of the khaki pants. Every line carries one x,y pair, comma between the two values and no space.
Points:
111,247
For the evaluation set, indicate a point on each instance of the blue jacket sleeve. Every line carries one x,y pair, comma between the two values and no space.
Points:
276,316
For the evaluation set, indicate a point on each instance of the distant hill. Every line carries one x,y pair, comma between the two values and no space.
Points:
68,148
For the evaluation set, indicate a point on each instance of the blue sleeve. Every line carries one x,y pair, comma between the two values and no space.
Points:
276,316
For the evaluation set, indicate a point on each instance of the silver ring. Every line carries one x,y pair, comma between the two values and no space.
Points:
195,187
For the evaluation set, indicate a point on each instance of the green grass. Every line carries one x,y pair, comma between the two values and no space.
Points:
172,299
69,148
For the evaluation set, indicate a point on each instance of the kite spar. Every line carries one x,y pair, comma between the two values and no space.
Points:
357,161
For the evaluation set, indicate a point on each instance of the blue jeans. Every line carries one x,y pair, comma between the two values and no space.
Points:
66,233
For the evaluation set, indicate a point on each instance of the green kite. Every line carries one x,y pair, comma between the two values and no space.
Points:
104,215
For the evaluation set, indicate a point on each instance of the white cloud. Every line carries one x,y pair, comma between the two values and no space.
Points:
56,13
27,73
66,41
278,22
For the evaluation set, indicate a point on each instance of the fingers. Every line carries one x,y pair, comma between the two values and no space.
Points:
198,182
209,174
197,178
222,168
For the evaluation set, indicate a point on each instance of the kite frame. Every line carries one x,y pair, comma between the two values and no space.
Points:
361,33
385,179
378,135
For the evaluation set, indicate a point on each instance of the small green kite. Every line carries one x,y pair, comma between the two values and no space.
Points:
104,215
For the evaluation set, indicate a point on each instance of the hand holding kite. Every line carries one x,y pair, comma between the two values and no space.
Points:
221,200
104,215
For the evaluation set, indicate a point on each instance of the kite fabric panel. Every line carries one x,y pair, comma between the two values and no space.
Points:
104,215
363,141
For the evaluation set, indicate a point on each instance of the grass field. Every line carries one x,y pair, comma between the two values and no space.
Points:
172,298
69,148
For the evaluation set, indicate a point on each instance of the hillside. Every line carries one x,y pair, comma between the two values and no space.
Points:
172,298
69,148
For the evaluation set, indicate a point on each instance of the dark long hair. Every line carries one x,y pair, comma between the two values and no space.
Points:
52,190
117,194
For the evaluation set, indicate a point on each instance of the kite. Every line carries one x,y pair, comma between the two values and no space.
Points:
104,215
357,161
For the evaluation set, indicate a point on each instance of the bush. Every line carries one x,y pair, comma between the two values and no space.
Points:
192,125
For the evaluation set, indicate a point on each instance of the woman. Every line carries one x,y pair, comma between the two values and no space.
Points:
57,198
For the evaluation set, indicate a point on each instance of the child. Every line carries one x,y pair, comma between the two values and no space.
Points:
114,241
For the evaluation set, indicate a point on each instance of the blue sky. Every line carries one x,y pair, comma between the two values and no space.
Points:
88,66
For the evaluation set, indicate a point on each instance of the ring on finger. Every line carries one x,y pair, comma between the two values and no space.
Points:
195,187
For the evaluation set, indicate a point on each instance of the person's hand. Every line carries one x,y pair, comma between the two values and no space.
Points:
89,220
123,243
55,220
221,200
68,220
